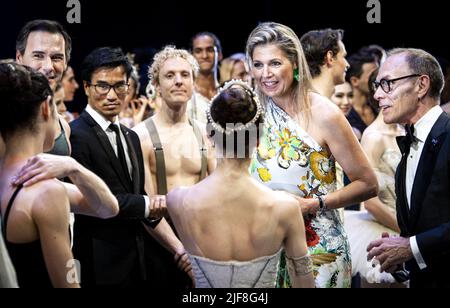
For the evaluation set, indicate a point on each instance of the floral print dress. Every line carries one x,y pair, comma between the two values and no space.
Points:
289,159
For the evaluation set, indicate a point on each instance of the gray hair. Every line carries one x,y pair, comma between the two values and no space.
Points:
423,63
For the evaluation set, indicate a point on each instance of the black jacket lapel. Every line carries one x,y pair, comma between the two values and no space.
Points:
107,147
426,167
135,176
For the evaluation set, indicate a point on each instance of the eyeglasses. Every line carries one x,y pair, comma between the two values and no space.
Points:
386,83
104,88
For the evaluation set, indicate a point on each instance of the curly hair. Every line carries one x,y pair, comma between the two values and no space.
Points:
166,53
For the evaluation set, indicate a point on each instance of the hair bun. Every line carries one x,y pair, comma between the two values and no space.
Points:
22,89
236,103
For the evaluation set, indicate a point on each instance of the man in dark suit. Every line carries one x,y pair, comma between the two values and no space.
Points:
409,85
118,251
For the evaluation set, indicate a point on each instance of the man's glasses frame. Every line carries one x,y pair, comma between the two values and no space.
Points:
386,83
104,88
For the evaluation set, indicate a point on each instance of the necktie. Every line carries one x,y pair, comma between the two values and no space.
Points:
120,150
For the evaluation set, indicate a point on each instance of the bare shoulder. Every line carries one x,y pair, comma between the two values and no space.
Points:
141,130
372,136
50,201
329,122
144,136
323,110
286,204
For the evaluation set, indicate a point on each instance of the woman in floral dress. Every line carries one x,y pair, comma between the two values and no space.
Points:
304,134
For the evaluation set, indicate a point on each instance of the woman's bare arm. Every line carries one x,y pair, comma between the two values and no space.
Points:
347,151
50,212
88,195
298,261
374,146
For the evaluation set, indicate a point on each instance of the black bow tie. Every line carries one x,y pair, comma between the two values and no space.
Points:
404,143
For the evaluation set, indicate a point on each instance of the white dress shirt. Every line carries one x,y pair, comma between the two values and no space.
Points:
104,124
421,131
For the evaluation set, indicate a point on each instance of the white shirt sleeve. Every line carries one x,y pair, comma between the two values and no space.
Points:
147,206
416,253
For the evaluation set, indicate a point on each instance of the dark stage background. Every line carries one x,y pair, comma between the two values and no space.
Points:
144,26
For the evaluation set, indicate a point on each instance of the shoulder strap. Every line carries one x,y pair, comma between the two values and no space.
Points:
203,149
161,177
8,210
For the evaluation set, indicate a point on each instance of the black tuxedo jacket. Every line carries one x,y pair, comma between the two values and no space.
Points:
116,251
429,216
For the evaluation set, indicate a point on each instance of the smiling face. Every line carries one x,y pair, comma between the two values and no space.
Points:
400,105
110,104
45,52
176,82
272,70
204,52
343,97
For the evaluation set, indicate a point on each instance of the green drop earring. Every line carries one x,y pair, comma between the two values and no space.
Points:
296,76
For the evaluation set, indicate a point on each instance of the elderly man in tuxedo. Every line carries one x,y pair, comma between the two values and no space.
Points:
408,88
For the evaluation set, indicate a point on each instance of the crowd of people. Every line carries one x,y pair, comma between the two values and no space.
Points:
291,164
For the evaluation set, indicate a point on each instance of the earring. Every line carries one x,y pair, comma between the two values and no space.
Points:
296,76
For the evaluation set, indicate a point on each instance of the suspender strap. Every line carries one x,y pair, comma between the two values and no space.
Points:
159,154
203,150
161,177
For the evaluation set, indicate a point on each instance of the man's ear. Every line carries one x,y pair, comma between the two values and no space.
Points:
354,81
46,109
329,58
424,86
19,57
158,89
86,88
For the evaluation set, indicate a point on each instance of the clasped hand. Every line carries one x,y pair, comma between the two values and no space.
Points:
390,251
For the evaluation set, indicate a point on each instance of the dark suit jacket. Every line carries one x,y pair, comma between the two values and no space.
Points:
116,251
429,216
